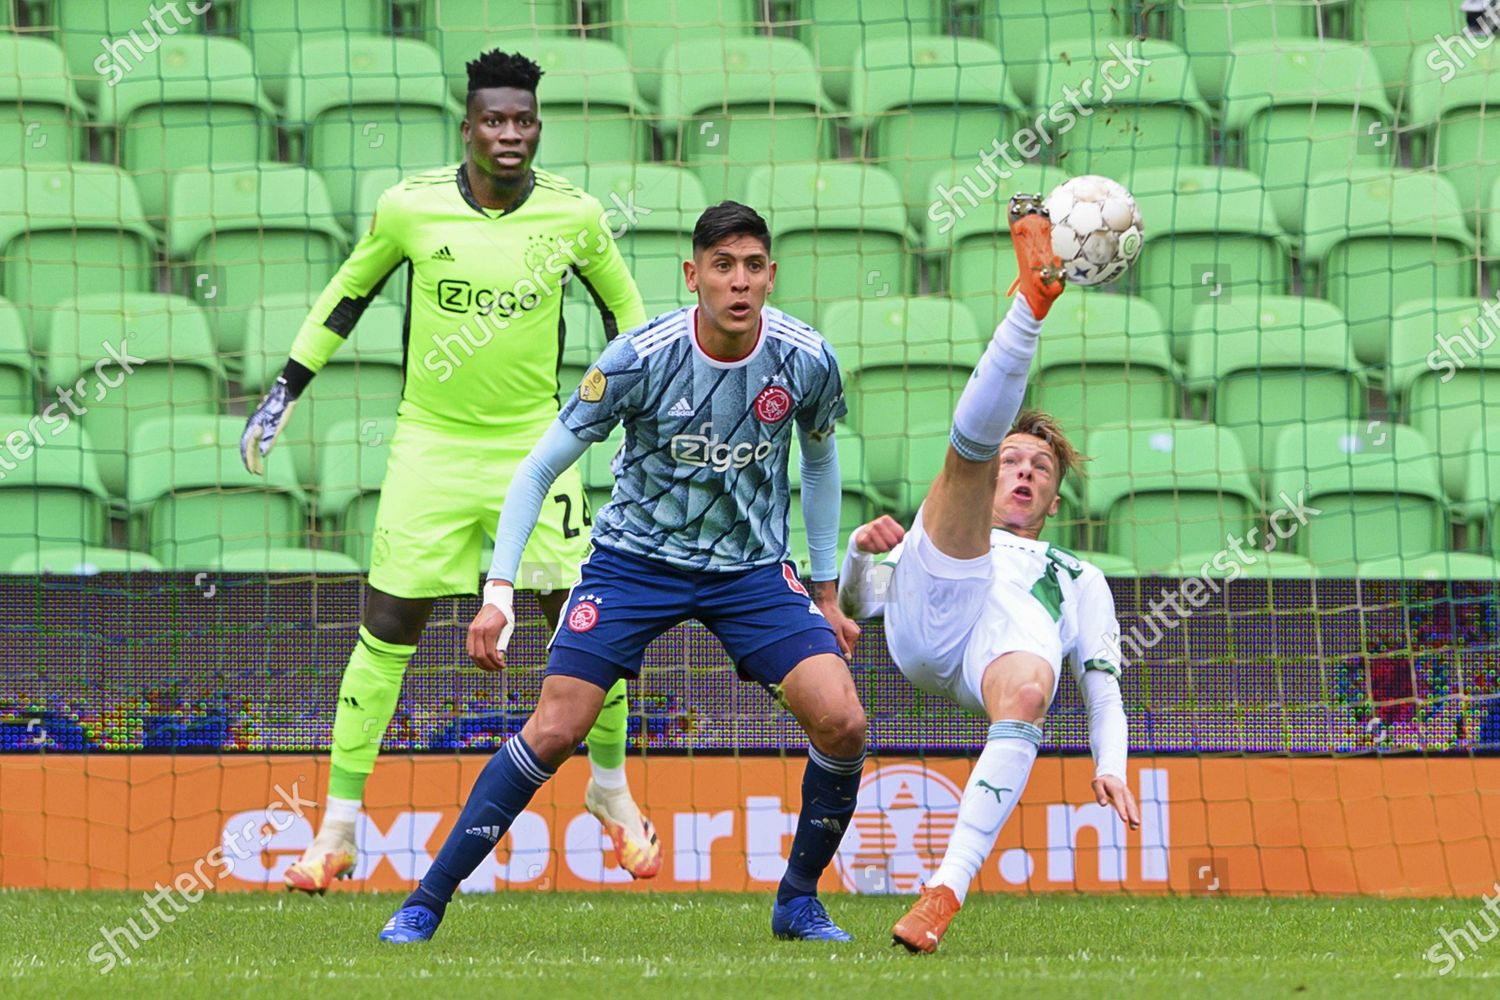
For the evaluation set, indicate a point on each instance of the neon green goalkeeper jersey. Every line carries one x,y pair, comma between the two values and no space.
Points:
484,328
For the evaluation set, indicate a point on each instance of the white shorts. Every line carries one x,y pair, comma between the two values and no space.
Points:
947,620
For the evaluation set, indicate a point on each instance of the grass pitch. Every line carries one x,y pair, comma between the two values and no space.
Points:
614,947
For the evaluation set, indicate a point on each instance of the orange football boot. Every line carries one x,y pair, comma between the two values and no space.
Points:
324,861
637,849
927,921
1041,279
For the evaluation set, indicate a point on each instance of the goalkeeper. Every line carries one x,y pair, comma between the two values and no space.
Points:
487,246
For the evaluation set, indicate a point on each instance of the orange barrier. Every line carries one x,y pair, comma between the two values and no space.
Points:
1212,825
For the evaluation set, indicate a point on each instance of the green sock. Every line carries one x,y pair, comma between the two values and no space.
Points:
607,739
367,701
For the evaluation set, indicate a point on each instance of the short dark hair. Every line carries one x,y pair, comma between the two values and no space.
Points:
503,69
726,219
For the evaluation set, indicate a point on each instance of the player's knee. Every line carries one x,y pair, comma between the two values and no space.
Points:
1027,701
396,619
842,733
554,733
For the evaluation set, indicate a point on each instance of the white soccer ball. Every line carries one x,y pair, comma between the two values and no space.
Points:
1096,229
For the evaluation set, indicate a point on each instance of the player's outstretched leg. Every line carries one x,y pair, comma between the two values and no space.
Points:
820,693
608,798
564,712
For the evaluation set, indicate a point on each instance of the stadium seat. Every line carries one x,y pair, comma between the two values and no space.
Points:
1376,239
1167,487
1027,30
283,559
351,471
1267,364
1377,489
105,40
1257,564
840,232
239,233
1296,109
42,118
461,29
1431,566
173,369
1212,237
583,342
362,382
1150,118
79,559
1478,501
648,29
1209,29
69,230
905,361
967,234
1393,30
1109,563
595,468
357,102
903,468
656,205
858,502
1105,359
17,367
191,500
1441,355
835,30
924,102
50,494
192,102
753,101
275,29
1448,106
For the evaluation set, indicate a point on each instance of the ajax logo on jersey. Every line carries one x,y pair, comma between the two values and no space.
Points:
773,404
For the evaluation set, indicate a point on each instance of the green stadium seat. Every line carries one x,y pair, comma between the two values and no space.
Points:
1376,239
1478,503
351,473
648,29
1377,488
69,230
583,343
840,231
1209,29
238,233
1156,119
657,205
1449,109
18,376
835,30
105,40
905,362
285,559
903,468
1168,487
50,494
82,560
276,29
174,369
1109,563
461,29
1212,236
594,467
191,500
193,102
1431,566
1027,30
1296,109
1441,355
1106,359
1393,30
42,118
967,234
726,109
1223,562
923,102
858,503
357,102
1267,364
362,382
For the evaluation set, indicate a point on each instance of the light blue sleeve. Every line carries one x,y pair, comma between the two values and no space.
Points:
820,500
558,449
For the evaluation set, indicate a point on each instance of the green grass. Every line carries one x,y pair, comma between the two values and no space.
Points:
614,947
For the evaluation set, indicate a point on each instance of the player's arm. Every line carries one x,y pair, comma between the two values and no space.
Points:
863,581
604,274
821,494
1096,668
328,324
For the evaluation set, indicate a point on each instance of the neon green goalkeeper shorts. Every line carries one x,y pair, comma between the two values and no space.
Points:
440,502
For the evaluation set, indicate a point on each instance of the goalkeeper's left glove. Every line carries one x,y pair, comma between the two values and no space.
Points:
265,424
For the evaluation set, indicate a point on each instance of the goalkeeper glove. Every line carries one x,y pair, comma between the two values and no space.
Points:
265,424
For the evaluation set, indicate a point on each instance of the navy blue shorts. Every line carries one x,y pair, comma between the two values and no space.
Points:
764,617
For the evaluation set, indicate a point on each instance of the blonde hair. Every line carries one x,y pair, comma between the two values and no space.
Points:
1045,426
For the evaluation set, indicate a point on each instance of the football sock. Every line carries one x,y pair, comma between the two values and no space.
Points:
992,397
504,788
993,790
340,816
606,741
830,786
367,700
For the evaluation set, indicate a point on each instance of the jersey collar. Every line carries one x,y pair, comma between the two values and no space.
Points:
468,194
760,340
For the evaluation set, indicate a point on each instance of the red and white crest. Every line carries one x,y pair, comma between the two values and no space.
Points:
792,581
773,404
584,616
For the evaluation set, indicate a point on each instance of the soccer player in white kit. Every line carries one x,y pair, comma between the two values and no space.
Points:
980,611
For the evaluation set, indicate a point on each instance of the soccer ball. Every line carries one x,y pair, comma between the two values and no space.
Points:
1096,229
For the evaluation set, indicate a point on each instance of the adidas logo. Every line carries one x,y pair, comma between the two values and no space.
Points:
490,833
681,408
443,253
